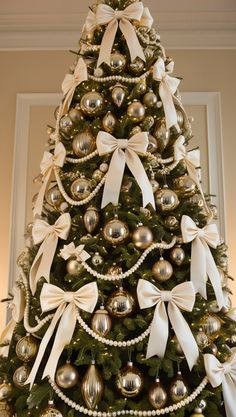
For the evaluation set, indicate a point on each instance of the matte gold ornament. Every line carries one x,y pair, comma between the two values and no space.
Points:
202,339
129,381
177,255
117,63
97,259
101,322
185,185
83,143
162,270
152,144
137,66
67,376
92,103
162,134
21,375
74,267
109,122
150,99
166,199
142,237
171,222
92,386
51,411
5,391
211,325
136,111
115,231
66,125
118,95
54,197
178,389
120,303
27,348
81,188
76,115
157,395
6,409
155,185
91,219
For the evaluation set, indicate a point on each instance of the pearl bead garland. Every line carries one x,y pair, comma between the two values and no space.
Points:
128,80
84,159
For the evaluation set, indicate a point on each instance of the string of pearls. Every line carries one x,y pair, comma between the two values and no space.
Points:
128,80
134,268
145,413
82,160
146,40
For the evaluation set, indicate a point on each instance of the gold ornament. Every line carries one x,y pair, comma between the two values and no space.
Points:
114,270
211,324
162,134
98,175
76,115
83,143
91,103
178,348
202,339
27,348
155,185
129,381
150,99
92,386
118,95
109,122
104,167
177,255
6,409
136,111
135,130
142,237
117,63
185,185
120,303
162,270
152,144
91,219
137,66
101,322
67,376
198,410
157,395
54,197
196,199
81,188
66,125
180,118
5,391
116,231
149,122
166,199
171,222
178,389
21,375
97,259
51,411
74,267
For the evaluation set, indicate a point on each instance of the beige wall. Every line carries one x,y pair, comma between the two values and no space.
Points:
34,72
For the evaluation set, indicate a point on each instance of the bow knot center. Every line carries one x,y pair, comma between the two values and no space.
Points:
166,296
122,143
69,297
226,368
51,228
201,233
118,14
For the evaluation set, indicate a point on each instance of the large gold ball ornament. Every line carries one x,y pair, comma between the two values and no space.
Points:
27,348
67,376
115,231
66,125
129,381
162,134
54,197
101,322
91,219
142,237
92,386
74,267
178,389
162,270
120,303
211,325
152,144
83,143
117,63
166,199
150,99
157,395
171,222
118,95
91,103
81,188
5,391
76,115
185,185
21,375
51,411
137,66
109,122
136,111
177,255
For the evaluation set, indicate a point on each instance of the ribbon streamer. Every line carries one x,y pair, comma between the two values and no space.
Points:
124,152
182,297
167,88
71,81
48,235
225,374
146,19
66,303
90,23
78,252
17,306
115,19
47,165
202,261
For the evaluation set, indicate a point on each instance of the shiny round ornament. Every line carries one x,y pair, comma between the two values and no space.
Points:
81,188
5,391
177,255
202,339
178,389
152,144
171,222
166,199
51,411
114,270
101,322
109,122
197,200
97,175
21,375
135,130
213,349
129,381
104,167
74,267
157,395
211,325
115,231
180,118
66,124
118,95
83,143
92,103
67,376
185,185
91,219
26,348
162,134
162,270
54,197
150,99
155,185
92,387
76,115
142,237
97,259
136,111
120,303
117,63
137,66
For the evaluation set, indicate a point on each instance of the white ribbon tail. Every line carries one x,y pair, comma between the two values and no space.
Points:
40,198
6,337
107,43
198,267
68,99
192,174
114,179
134,46
229,393
214,276
168,104
159,332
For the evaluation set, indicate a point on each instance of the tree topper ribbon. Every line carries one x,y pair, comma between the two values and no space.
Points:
182,297
105,15
47,165
225,374
17,305
71,81
48,235
202,261
78,252
66,303
124,152
167,88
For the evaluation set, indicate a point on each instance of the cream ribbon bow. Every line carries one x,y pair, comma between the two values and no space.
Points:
47,165
17,306
124,152
225,374
48,235
167,88
202,261
71,81
146,19
105,15
90,23
78,252
66,303
182,297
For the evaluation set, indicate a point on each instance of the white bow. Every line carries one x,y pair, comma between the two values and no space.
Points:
90,23
17,306
167,88
124,152
70,83
47,165
202,261
146,19
48,235
66,303
105,15
182,297
225,374
78,252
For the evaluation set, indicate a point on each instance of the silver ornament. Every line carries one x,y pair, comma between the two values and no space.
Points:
129,381
104,167
118,95
66,125
211,324
150,99
137,66
202,339
136,111
91,103
97,175
92,386
117,63
81,188
76,115
67,376
27,348
97,259
155,185
116,231
120,303
157,395
101,322
180,118
178,389
21,375
162,134
152,144
162,270
142,237
54,197
74,267
91,219
83,143
177,255
109,122
166,199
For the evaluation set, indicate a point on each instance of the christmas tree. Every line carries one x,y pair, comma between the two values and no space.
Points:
122,305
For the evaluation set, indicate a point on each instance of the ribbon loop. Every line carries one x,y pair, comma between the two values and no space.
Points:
124,152
78,252
202,261
71,81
